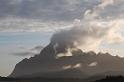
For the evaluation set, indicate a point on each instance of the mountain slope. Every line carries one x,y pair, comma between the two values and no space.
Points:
68,73
88,63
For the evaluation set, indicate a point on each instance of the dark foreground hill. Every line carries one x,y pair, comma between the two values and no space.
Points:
112,79
5,79
107,79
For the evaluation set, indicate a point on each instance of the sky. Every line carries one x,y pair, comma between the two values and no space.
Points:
26,26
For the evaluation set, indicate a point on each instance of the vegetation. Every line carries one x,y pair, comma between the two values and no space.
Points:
41,79
112,79
107,79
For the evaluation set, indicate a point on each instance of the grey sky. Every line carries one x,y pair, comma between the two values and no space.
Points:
21,15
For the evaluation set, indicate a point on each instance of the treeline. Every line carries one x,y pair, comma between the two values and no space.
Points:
107,79
7,79
41,79
112,79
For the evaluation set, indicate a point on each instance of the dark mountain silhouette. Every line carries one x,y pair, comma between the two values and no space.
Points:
80,65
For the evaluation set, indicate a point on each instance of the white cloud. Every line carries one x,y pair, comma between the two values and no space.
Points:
92,64
78,65
28,52
90,27
90,32
67,67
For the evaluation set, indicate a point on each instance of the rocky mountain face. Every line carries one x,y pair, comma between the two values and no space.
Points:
79,65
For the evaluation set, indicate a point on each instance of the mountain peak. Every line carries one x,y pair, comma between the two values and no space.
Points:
46,63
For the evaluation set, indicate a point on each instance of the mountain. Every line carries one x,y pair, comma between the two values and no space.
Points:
79,65
68,73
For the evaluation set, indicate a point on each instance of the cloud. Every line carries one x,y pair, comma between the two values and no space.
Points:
91,27
89,32
47,15
13,24
55,9
43,9
66,10
92,64
30,52
78,65
37,48
24,54
114,35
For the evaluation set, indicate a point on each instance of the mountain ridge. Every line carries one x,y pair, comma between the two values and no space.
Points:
88,63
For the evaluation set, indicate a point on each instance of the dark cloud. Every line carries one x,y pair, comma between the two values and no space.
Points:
44,9
54,9
115,10
17,15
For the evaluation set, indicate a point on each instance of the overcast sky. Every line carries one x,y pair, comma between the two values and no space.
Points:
29,24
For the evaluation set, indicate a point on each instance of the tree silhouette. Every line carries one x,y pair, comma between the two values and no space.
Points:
112,79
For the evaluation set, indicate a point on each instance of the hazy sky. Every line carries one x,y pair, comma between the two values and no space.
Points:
27,25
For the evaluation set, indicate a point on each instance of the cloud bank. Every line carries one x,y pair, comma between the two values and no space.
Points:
77,22
51,15
89,32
